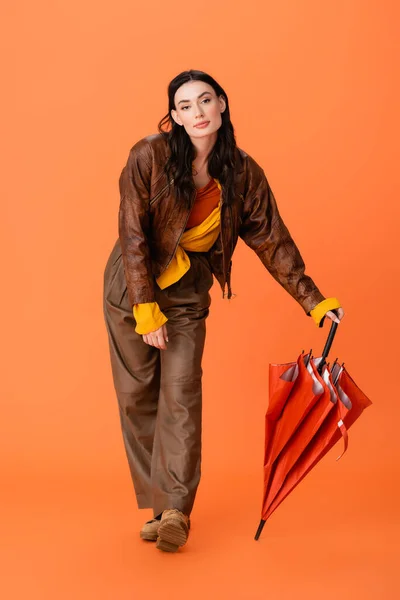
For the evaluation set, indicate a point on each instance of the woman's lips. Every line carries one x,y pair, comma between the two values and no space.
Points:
203,125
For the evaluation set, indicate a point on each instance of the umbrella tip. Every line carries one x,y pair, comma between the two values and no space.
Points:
259,530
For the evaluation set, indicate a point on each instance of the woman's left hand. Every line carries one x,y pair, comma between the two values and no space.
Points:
335,318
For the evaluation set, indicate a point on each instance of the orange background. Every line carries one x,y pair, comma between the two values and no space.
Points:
313,89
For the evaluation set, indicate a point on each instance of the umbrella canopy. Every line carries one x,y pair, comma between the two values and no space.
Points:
338,421
304,434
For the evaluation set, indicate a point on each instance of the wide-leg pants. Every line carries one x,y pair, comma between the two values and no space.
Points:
159,392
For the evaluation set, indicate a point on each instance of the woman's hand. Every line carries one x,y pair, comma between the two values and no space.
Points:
157,338
338,318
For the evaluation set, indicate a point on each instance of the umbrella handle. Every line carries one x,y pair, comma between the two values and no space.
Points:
328,344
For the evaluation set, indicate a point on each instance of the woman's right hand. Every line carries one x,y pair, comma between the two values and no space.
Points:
157,338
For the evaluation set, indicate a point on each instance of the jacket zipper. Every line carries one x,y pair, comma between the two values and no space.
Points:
160,192
222,243
231,217
230,262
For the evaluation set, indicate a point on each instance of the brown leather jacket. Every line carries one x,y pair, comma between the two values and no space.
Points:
151,224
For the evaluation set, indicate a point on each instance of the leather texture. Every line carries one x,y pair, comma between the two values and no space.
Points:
159,392
150,225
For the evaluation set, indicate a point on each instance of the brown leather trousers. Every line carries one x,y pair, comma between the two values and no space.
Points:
159,392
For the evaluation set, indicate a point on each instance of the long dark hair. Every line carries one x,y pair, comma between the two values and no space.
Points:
221,161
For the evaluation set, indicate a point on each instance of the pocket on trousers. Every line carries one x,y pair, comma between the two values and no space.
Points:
114,282
118,257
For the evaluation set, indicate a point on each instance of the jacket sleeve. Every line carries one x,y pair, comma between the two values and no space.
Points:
264,231
133,223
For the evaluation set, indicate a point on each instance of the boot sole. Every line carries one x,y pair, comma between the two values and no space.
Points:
149,537
171,536
166,546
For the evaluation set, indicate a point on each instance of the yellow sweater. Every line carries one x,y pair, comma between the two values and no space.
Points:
200,238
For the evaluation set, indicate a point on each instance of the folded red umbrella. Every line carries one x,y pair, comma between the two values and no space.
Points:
338,422
303,435
310,408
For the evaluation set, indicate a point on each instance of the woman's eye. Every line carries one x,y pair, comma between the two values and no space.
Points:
205,100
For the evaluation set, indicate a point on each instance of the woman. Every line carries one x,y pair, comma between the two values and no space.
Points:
187,194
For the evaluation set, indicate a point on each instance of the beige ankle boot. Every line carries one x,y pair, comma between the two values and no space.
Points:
173,531
149,530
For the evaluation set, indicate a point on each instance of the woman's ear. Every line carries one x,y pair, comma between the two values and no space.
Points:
174,115
222,103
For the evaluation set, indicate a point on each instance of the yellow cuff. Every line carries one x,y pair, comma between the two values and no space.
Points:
148,317
322,308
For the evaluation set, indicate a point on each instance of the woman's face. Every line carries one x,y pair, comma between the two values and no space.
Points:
195,103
